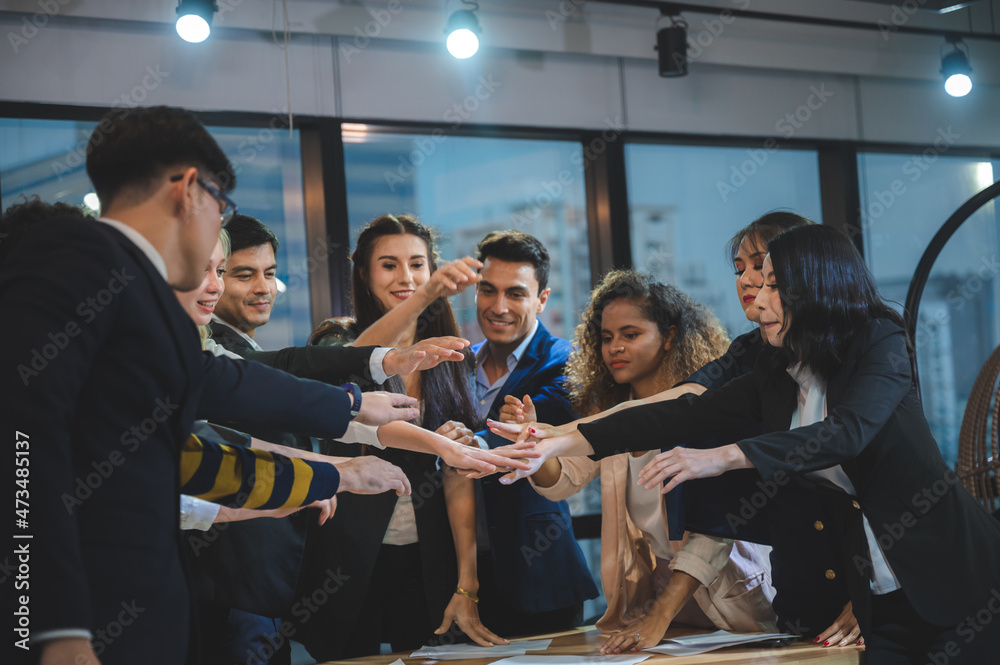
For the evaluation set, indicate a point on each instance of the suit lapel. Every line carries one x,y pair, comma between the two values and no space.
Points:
523,371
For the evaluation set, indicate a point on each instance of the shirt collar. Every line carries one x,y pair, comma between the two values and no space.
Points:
141,242
515,356
248,338
803,376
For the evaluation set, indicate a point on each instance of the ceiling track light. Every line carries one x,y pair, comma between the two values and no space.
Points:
194,19
672,46
956,70
462,32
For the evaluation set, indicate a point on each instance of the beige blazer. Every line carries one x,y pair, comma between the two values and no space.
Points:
736,587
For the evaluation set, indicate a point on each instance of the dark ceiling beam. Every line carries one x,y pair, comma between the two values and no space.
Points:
674,8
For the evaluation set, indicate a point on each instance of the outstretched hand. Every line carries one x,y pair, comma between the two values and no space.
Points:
327,507
528,431
371,475
457,432
515,410
379,408
474,462
426,354
681,464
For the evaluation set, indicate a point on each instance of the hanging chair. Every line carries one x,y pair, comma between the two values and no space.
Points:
979,440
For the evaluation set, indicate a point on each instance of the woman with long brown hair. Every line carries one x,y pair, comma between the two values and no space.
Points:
414,587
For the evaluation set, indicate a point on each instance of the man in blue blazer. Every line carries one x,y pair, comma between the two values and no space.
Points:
532,574
102,377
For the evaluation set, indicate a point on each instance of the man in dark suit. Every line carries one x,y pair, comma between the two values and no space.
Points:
102,378
532,574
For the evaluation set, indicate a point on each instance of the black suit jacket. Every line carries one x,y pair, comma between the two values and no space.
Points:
256,565
941,544
103,373
330,364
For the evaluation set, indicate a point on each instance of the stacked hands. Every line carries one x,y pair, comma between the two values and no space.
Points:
537,442
517,424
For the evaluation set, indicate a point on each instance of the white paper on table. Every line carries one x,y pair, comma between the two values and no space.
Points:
695,644
460,651
597,659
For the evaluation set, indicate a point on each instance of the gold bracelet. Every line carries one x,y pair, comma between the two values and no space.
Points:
471,596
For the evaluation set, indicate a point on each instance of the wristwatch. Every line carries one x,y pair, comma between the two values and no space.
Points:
355,391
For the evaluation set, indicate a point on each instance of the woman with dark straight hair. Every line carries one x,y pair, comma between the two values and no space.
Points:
807,601
423,547
840,411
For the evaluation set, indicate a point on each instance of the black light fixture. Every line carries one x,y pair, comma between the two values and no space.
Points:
462,32
956,69
194,19
671,44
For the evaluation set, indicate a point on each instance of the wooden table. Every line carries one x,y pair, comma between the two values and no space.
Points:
587,641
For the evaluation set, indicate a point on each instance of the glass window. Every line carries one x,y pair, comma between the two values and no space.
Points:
685,202
47,158
268,166
904,201
466,187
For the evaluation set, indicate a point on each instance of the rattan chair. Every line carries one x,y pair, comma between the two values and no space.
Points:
978,444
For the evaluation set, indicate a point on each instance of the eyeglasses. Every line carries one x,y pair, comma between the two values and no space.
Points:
226,206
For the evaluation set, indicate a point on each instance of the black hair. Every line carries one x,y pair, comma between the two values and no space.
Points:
517,247
19,219
335,331
761,230
132,148
447,388
827,293
246,231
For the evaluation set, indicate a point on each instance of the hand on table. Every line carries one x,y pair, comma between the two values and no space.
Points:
844,631
650,630
465,613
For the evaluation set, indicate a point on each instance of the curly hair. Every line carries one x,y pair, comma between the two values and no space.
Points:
698,338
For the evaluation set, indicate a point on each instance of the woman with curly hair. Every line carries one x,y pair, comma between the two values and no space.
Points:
639,337
810,597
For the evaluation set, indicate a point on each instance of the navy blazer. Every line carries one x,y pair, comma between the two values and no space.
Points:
104,375
537,562
941,544
785,515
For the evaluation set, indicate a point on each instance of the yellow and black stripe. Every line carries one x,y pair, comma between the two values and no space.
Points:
242,477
